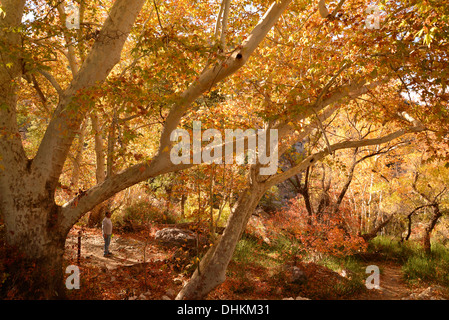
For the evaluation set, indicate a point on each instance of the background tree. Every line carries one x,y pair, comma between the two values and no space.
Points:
143,74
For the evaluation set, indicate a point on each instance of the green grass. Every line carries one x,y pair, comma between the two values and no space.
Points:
416,264
392,249
142,212
355,273
251,250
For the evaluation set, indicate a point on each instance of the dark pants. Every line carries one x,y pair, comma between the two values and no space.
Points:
107,242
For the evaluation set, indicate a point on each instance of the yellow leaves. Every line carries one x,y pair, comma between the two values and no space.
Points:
322,9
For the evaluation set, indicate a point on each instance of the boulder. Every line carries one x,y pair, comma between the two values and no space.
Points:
175,237
430,293
291,275
298,276
171,293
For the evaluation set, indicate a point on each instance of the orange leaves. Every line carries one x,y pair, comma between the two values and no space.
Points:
324,233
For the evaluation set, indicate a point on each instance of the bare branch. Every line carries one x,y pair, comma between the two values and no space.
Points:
52,81
312,159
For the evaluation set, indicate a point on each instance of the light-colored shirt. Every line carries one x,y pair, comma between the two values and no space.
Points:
107,226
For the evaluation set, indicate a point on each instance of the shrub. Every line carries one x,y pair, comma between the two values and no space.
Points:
431,268
143,212
329,233
416,264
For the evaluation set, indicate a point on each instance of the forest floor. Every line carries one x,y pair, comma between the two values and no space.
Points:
394,287
141,269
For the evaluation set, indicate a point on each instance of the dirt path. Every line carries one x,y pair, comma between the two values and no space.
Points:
392,284
394,287
126,250
132,252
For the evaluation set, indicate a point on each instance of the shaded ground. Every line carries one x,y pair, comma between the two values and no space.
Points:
140,269
394,287
127,251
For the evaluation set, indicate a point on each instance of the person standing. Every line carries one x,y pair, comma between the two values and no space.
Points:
107,232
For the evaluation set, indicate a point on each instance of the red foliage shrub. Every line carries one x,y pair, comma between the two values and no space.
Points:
330,233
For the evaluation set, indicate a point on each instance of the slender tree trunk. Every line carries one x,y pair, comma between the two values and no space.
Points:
211,271
183,204
78,159
371,235
429,228
96,214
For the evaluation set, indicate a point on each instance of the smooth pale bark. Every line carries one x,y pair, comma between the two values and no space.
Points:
312,159
212,268
68,116
33,227
74,181
34,224
100,173
373,233
161,163
96,214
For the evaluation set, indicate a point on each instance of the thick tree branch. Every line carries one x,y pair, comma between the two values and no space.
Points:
68,116
312,159
161,163
52,81
11,149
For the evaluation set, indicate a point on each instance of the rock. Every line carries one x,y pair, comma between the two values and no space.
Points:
165,298
301,298
297,275
257,225
430,293
145,296
346,273
170,293
291,298
176,237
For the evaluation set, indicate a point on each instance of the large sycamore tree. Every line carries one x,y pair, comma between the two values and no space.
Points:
316,59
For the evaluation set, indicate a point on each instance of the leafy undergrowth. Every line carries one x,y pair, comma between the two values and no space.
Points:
152,279
252,281
417,266
256,272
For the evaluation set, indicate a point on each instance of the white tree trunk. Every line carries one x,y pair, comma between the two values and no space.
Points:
34,230
212,269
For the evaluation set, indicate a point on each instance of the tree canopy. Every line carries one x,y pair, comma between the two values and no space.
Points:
89,100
